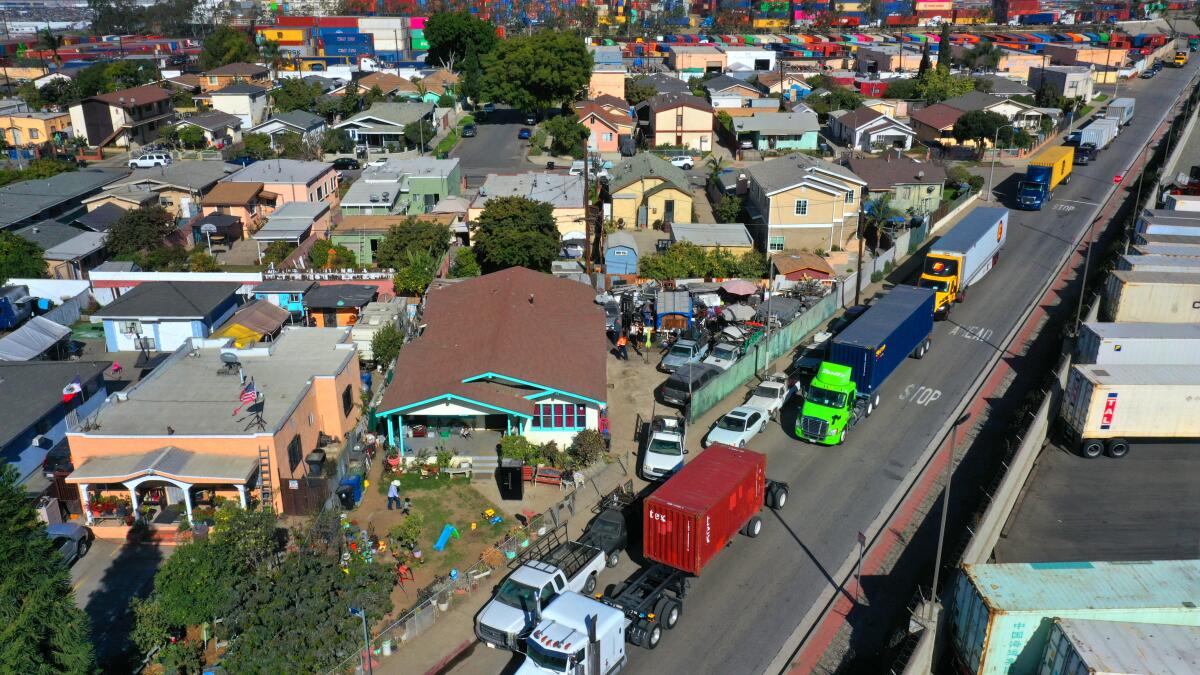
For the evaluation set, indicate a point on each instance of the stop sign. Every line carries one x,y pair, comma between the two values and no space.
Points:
1117,179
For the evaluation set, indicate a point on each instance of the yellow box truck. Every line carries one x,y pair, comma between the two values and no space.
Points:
1047,170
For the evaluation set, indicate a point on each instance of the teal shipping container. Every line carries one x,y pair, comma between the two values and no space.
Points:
1001,614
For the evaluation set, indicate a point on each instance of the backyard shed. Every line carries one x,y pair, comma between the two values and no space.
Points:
621,254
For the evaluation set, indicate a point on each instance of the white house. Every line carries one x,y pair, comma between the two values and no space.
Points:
868,130
161,315
245,100
306,124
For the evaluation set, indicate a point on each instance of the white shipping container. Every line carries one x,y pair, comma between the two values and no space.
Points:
1103,343
1165,297
1183,202
1158,263
1132,401
1086,647
366,22
1182,250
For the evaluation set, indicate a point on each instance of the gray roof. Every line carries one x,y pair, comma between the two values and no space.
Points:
25,200
78,246
882,173
187,174
300,119
340,295
239,88
973,100
732,235
557,189
1006,86
723,82
281,171
48,233
284,286
212,121
665,84
194,399
170,299
167,461
623,239
102,217
642,165
389,115
293,220
117,266
791,170
29,391
779,123
667,101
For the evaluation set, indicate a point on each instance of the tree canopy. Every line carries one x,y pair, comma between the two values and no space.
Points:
257,146
386,344
981,126
42,631
293,93
638,90
416,271
227,45
568,134
139,230
515,231
465,265
542,70
943,59
938,84
326,255
451,35
38,168
686,260
411,235
20,258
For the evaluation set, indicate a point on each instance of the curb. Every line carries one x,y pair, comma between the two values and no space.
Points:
454,654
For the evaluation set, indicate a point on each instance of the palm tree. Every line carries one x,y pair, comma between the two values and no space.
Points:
715,166
48,40
271,55
873,215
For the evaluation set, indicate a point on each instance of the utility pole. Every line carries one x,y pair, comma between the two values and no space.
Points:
589,246
937,561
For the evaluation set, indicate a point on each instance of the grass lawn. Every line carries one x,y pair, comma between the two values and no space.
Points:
1101,98
1085,111
447,144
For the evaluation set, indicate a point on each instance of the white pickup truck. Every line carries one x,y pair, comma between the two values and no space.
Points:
550,567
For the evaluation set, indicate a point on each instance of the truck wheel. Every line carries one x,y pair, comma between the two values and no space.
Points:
1091,447
668,612
1117,448
870,406
653,636
589,586
777,497
613,559
753,528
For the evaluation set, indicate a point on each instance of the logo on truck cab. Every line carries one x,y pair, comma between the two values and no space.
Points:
1110,409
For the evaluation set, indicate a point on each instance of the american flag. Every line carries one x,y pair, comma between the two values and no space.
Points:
249,395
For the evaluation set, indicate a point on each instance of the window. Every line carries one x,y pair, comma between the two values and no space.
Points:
165,201
33,134
776,244
560,416
679,119
212,80
850,197
295,297
294,453
802,207
347,400
607,138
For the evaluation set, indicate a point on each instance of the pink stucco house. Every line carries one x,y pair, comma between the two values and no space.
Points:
606,125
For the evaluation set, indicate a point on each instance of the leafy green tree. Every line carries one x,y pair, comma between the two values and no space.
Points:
257,146
937,85
139,230
271,55
201,261
751,265
981,126
48,40
512,247
291,145
43,631
568,134
470,79
329,107
451,35
638,90
336,141
418,134
192,136
844,98
984,55
386,344
905,88
412,235
416,273
293,93
324,254
126,74
943,60
539,71
925,62
32,96
277,251
465,265
727,209
684,260
169,135
226,45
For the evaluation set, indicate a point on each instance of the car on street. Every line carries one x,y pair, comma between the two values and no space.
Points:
809,357
71,540
468,131
724,355
346,164
664,447
1148,74
772,394
379,161
489,108
150,159
524,133
737,427
684,162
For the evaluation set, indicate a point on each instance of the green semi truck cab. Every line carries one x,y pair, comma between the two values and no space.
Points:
831,406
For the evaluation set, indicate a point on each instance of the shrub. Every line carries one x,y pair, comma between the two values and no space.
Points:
587,447
408,532
518,447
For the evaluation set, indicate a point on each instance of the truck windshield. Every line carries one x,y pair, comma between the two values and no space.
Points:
664,447
517,595
940,267
1030,189
937,285
725,353
825,397
684,351
546,658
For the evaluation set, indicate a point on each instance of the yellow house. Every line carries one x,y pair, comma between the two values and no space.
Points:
644,189
799,202
33,128
607,80
678,120
564,194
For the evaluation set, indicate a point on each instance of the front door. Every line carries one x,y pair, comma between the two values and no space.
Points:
641,216
669,211
329,318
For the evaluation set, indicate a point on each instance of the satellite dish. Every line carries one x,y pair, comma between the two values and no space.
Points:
208,228
230,359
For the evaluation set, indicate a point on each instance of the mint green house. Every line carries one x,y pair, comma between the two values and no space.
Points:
403,187
764,131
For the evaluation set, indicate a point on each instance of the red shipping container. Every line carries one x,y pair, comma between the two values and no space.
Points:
690,518
295,21
338,22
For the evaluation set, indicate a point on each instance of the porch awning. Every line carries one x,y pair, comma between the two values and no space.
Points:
32,340
169,462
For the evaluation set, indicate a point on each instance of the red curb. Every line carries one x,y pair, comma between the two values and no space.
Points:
814,648
462,647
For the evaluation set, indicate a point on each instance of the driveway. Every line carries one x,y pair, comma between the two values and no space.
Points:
105,581
495,147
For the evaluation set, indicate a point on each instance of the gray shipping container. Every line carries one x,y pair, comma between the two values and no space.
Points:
1102,343
1121,109
1085,647
1099,133
1162,221
1165,297
1158,263
1181,250
1000,614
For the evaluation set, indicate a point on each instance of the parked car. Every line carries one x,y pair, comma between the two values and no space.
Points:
678,388
737,427
346,164
524,133
530,118
724,355
489,108
378,161
468,131
1146,75
684,351
772,394
663,447
150,159
683,161
71,540
809,357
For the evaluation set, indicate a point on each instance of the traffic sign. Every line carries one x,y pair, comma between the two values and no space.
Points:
1117,179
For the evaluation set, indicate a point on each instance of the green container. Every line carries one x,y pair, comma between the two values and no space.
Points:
417,32
420,44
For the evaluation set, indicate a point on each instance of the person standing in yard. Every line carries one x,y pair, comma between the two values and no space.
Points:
622,351
393,495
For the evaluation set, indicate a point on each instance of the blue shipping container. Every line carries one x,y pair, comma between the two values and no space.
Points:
338,30
359,39
886,334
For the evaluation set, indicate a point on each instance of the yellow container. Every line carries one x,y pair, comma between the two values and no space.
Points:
770,23
922,6
283,34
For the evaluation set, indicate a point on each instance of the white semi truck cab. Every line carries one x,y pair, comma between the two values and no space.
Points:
576,636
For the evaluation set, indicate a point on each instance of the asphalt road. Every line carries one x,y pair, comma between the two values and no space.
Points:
749,600
495,147
105,581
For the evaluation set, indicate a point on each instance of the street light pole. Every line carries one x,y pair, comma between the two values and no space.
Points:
368,667
1087,261
995,151
937,562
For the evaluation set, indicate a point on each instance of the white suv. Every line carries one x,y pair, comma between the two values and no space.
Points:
150,159
684,162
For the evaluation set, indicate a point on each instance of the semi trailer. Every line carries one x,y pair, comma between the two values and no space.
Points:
1046,171
1107,407
1164,297
1103,343
963,256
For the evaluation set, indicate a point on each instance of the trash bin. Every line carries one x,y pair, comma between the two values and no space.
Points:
345,495
355,483
508,480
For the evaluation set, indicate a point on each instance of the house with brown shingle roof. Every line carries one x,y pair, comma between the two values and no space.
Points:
913,186
124,117
935,124
219,78
390,85
531,362
679,120
606,126
440,82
